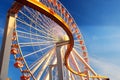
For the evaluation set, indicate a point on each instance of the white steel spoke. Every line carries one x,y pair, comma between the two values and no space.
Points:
41,61
29,54
78,47
74,61
35,45
39,40
33,34
34,38
45,65
76,64
39,17
35,22
84,62
33,27
42,58
53,63
43,32
72,77
22,28
38,43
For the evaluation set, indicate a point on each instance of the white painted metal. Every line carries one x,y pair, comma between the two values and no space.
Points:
46,64
59,63
76,66
6,45
85,63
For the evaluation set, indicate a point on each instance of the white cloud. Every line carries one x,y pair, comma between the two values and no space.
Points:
106,68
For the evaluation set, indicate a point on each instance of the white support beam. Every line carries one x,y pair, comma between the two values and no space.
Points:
51,68
50,73
6,45
59,63
65,70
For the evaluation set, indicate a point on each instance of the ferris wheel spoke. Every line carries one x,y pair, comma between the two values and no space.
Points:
77,48
22,29
45,55
84,62
29,54
46,77
35,45
33,13
37,65
53,63
48,22
36,22
72,76
41,61
72,64
44,67
23,22
45,20
39,18
43,32
34,38
76,65
39,43
21,33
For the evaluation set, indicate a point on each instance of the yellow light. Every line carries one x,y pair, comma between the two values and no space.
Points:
98,76
66,38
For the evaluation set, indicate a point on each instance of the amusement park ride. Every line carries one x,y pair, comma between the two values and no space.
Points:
46,43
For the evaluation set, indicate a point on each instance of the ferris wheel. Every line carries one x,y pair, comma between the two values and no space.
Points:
47,43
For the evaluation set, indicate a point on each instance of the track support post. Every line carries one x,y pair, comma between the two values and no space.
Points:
59,63
59,59
50,71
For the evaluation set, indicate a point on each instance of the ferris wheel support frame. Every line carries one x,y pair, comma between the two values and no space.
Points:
6,46
7,39
59,63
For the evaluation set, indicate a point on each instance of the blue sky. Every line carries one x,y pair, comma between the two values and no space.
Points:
99,23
